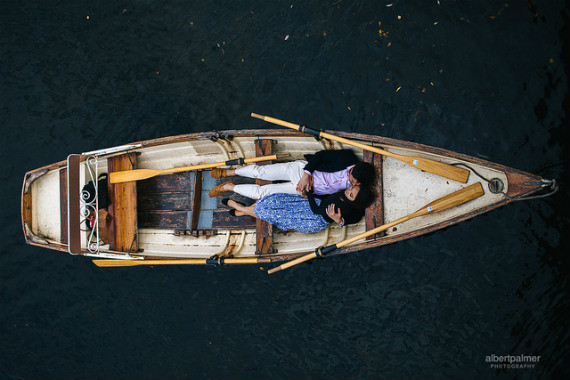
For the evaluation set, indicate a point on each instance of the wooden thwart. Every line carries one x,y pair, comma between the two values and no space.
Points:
63,205
374,215
196,201
123,206
264,235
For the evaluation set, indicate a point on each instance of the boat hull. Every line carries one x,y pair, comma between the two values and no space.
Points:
401,189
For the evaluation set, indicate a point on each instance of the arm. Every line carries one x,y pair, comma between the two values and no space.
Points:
335,214
305,184
354,216
330,160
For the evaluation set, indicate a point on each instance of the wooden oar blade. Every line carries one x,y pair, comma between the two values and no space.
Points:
104,263
132,175
435,167
454,199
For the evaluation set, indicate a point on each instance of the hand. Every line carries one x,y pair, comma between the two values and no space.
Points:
334,215
305,184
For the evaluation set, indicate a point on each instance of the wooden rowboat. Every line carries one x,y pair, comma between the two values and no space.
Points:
169,218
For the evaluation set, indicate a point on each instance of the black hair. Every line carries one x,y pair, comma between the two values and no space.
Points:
364,197
364,173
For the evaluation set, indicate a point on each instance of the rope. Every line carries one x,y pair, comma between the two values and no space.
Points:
552,183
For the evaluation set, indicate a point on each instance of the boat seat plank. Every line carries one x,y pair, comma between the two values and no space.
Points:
264,230
123,206
166,201
196,202
374,215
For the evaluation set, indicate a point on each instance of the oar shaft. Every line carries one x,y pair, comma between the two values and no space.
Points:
235,161
219,261
140,174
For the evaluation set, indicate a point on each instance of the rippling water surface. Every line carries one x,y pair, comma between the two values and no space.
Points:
486,78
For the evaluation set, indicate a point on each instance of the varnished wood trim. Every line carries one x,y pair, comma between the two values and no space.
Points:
196,200
123,206
264,235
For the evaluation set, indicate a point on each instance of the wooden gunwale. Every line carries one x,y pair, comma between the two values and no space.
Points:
516,180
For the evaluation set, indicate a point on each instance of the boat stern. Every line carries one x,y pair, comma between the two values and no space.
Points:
41,210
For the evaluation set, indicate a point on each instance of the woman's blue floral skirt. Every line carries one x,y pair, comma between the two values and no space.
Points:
290,212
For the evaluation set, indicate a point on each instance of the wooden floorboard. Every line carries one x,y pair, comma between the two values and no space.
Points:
164,220
264,230
374,215
165,202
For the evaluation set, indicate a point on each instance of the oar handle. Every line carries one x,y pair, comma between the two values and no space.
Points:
270,119
289,264
300,128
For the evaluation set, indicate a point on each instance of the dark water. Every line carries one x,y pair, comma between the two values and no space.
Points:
487,78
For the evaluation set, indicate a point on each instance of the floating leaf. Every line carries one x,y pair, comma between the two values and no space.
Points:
398,89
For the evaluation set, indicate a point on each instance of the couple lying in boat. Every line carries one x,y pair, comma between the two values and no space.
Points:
330,186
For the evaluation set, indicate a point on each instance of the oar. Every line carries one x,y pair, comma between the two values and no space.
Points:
454,199
425,164
215,261
138,174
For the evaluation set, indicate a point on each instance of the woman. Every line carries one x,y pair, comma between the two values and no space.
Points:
307,215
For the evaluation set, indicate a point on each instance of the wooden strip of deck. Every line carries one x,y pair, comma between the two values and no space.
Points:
264,230
123,206
164,202
196,201
374,215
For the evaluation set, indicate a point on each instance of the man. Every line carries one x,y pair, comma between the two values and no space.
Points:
325,172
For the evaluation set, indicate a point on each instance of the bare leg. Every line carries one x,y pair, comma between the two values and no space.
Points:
228,187
242,210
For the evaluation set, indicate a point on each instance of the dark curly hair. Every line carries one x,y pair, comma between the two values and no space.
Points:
364,173
363,199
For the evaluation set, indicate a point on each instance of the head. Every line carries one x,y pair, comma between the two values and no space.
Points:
362,174
359,196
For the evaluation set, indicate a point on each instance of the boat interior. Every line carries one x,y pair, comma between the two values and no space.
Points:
173,216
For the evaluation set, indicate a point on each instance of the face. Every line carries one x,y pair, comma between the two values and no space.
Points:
353,181
352,192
